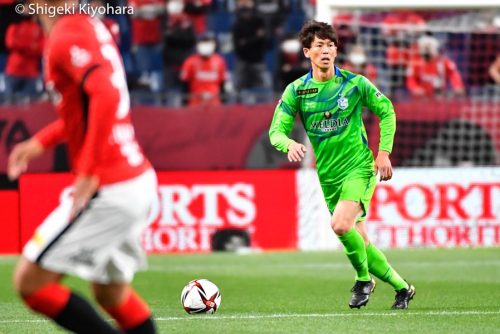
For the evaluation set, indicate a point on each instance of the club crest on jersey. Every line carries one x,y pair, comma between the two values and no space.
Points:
343,103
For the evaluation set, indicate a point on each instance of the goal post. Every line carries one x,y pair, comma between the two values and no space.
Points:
459,123
325,8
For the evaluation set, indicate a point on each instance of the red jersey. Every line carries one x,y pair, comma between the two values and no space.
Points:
147,30
25,43
433,76
204,77
85,74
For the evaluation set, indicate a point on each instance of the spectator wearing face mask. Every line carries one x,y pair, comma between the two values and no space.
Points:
357,62
147,20
292,63
179,42
430,73
249,40
400,29
204,74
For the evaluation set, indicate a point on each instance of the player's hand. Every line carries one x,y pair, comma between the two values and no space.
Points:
383,166
296,152
21,155
83,189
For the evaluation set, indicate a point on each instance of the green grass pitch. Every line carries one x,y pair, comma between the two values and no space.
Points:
458,291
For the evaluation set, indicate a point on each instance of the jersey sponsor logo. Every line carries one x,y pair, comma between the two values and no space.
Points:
328,125
343,103
207,75
79,57
327,115
306,91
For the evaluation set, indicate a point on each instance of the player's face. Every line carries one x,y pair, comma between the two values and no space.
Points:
322,53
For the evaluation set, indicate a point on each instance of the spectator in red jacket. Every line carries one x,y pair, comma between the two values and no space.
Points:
147,22
204,74
24,40
400,29
430,73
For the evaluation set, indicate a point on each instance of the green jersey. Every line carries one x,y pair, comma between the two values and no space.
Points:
331,113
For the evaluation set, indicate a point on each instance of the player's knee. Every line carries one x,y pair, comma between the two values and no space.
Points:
341,226
100,295
22,281
29,277
108,295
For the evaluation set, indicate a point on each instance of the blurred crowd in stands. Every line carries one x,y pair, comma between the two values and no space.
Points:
209,52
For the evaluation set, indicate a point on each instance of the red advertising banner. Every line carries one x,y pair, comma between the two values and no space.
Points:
192,206
418,207
9,222
172,139
20,123
438,207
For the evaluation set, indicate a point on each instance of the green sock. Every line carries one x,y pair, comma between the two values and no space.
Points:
380,268
354,248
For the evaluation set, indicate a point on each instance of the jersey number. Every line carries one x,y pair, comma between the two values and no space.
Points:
123,134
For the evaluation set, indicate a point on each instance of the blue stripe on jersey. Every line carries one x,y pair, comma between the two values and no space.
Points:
309,76
365,141
286,108
337,71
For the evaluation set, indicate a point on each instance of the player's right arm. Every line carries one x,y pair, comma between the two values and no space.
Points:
282,125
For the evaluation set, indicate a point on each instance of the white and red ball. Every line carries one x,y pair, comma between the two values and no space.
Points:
200,296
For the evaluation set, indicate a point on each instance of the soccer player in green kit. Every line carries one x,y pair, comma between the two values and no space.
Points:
329,102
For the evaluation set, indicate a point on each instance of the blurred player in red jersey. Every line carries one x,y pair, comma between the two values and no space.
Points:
429,72
204,73
95,234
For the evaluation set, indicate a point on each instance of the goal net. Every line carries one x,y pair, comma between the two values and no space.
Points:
434,61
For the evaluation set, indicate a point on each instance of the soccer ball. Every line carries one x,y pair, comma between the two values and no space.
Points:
200,296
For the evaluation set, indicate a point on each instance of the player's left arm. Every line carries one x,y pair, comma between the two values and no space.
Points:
381,106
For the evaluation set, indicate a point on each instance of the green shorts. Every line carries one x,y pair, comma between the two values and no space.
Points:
356,188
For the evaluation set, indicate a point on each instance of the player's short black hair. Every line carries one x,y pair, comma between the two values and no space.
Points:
319,29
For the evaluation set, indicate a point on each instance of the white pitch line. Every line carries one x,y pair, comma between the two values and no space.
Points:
324,265
22,321
326,315
295,315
